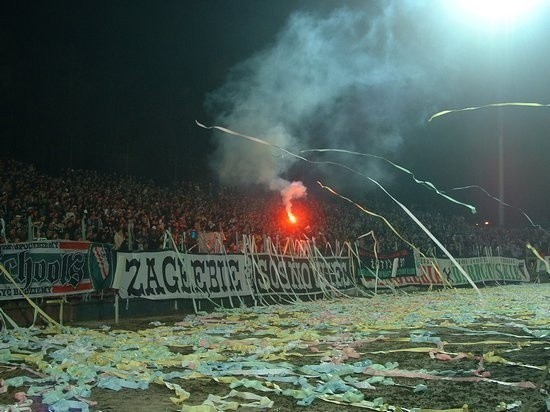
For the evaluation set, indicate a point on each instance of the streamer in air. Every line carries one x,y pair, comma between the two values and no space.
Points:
502,202
465,109
425,183
402,206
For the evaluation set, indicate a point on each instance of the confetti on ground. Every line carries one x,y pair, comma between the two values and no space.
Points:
381,353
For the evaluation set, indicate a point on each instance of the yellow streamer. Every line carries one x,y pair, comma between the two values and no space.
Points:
539,257
331,190
371,406
434,239
402,206
34,305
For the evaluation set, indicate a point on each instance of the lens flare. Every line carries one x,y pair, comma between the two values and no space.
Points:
291,217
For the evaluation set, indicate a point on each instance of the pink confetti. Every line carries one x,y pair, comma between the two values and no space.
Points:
20,396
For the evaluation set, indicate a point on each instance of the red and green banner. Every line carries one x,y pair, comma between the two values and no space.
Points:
440,272
48,268
101,265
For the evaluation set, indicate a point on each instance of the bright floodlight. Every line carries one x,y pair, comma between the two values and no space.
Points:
496,12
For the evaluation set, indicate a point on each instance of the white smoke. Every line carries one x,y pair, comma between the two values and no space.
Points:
289,191
349,79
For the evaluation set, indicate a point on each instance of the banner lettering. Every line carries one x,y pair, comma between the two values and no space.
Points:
167,275
45,268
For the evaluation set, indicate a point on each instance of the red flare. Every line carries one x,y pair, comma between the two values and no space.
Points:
291,217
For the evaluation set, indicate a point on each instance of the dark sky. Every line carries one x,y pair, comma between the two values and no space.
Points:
117,85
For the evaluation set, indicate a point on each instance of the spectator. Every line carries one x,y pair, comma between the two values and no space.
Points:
134,214
119,238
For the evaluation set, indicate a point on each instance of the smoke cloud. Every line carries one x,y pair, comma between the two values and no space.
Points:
356,78
289,191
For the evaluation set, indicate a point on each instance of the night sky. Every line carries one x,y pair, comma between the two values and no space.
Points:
118,85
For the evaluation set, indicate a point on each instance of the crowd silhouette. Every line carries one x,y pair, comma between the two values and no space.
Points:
135,214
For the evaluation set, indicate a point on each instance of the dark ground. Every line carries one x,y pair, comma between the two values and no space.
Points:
501,345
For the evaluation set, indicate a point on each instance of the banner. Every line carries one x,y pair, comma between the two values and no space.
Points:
300,276
439,272
400,263
482,269
101,265
168,275
44,268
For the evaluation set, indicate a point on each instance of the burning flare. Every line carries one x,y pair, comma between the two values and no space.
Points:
291,217
289,191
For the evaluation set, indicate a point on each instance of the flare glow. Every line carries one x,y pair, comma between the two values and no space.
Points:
291,217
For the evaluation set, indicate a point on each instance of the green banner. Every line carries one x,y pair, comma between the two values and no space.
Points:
101,265
386,266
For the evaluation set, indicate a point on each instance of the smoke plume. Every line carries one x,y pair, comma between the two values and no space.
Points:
289,192
354,78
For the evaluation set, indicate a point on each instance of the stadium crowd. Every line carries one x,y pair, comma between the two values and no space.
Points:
134,214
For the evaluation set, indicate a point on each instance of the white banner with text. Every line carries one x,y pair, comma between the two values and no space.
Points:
169,275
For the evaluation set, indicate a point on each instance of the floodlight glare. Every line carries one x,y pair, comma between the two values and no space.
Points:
495,12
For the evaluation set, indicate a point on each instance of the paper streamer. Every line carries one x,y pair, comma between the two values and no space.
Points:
430,376
520,104
502,202
420,182
539,257
445,112
251,138
405,209
425,229
386,221
34,305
